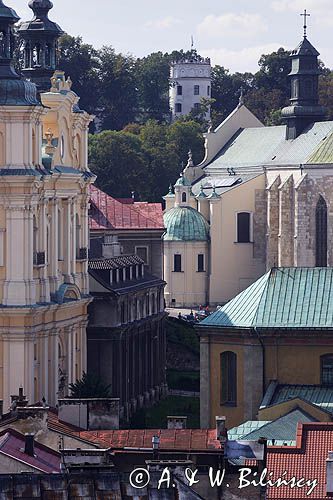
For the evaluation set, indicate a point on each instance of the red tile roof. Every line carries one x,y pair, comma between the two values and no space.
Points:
45,460
171,440
109,213
306,460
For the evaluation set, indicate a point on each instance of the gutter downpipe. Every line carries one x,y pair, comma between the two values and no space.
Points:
263,360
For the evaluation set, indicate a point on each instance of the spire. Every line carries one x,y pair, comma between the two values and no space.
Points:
40,44
14,91
304,107
8,18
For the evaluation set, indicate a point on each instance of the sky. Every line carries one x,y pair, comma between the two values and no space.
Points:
234,33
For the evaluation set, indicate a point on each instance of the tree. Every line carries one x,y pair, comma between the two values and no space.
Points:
80,61
274,71
89,386
326,92
118,95
119,163
226,90
152,79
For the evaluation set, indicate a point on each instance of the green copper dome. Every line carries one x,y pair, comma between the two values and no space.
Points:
185,224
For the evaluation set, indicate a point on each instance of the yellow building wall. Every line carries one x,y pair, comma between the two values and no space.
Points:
233,265
277,411
288,362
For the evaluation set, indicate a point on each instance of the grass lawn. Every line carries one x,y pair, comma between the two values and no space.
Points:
156,417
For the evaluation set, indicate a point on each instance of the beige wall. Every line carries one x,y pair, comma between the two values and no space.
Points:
190,287
233,265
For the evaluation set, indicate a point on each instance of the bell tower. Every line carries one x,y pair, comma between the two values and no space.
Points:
40,45
304,106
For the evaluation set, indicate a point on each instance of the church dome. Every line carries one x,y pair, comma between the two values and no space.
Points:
185,224
17,92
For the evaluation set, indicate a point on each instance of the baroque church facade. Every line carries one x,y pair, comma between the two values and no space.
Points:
261,198
44,195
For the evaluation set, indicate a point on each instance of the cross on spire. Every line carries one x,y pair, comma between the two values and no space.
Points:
305,15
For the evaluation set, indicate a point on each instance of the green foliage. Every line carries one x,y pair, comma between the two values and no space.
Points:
144,159
89,386
80,61
178,332
183,381
156,417
117,88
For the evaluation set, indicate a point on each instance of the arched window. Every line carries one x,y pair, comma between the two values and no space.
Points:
243,227
326,368
229,378
321,233
184,198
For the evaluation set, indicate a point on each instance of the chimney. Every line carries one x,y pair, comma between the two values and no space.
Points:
177,422
221,431
29,448
329,474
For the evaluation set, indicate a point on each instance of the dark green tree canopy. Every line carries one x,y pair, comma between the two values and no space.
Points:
89,386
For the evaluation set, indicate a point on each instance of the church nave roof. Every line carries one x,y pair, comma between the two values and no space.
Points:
267,146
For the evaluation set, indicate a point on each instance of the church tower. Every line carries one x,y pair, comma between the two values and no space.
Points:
44,195
304,106
190,82
40,44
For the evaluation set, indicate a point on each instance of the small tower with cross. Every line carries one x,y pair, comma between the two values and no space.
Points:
304,107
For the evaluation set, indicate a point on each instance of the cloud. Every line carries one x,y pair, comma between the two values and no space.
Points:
231,24
242,60
165,23
299,5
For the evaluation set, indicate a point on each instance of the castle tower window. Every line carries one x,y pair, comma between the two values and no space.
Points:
208,90
243,227
327,369
321,233
179,90
229,378
178,107
196,89
177,263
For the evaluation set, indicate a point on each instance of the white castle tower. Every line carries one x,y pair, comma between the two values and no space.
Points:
190,81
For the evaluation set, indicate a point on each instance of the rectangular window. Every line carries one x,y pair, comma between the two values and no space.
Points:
197,106
142,252
208,90
201,263
243,227
327,370
178,107
196,89
228,378
179,90
177,263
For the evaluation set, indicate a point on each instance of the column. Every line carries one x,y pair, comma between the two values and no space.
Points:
67,240
73,242
19,286
44,366
42,247
52,252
